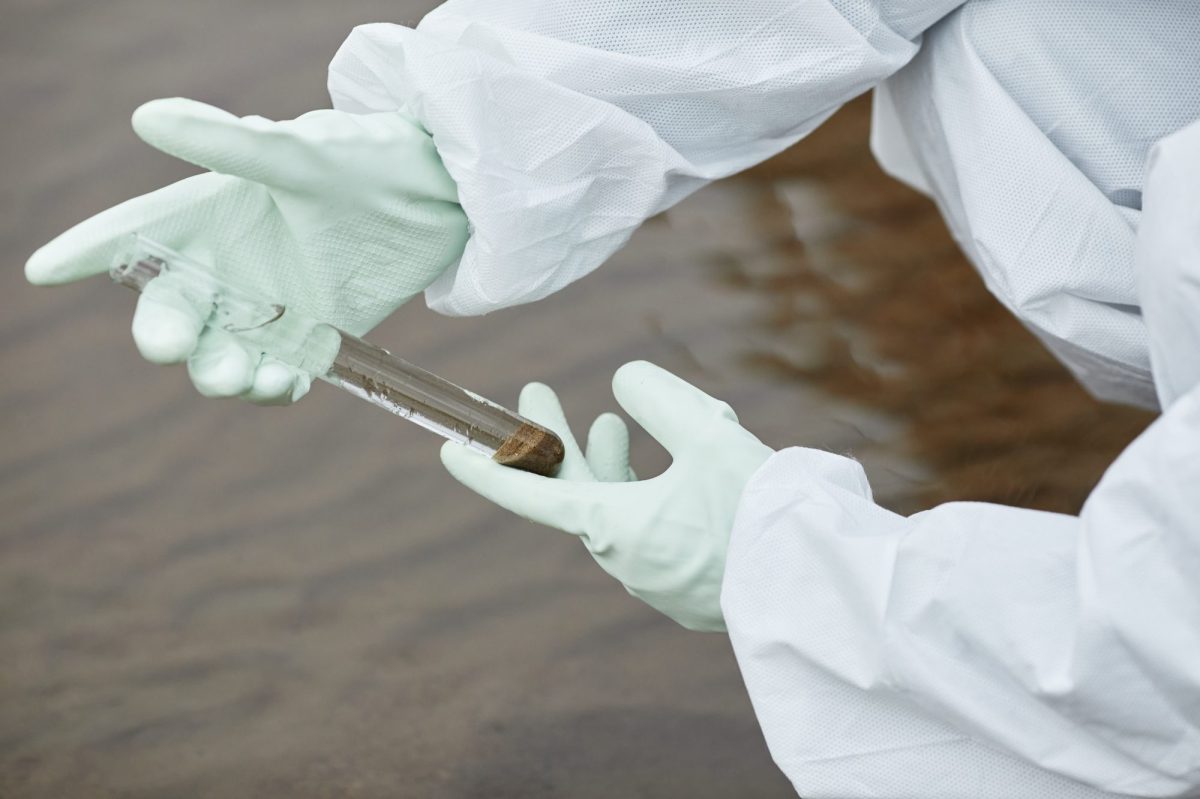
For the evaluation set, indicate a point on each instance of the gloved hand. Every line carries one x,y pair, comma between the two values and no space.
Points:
342,216
664,538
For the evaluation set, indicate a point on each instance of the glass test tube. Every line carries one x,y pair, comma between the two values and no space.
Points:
344,360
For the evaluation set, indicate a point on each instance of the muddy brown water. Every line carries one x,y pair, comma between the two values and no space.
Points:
204,598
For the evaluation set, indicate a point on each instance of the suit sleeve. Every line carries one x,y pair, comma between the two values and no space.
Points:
984,650
566,123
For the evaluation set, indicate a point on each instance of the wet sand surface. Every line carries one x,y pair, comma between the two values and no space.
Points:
206,599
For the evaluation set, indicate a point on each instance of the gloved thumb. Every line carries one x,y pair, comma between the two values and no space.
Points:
253,148
316,150
668,407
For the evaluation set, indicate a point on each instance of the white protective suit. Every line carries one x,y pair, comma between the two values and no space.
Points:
972,650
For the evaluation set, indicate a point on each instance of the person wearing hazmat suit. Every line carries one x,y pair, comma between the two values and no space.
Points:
501,150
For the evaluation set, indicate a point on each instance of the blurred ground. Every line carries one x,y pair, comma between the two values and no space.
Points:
205,598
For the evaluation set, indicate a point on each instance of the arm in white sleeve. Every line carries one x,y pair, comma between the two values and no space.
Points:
982,650
566,123
1168,257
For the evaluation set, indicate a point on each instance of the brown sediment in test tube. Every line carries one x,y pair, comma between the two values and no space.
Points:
531,449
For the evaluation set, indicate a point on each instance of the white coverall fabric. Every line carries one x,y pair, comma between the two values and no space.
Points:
566,124
972,650
1029,124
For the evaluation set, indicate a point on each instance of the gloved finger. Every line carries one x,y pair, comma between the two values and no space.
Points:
168,215
167,320
220,366
276,383
668,407
301,385
562,504
608,449
540,404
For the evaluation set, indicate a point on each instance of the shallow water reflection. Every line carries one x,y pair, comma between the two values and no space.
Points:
904,326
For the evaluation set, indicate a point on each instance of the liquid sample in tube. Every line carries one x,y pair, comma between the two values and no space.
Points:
346,361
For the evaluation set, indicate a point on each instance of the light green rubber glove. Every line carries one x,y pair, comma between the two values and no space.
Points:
342,216
664,538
